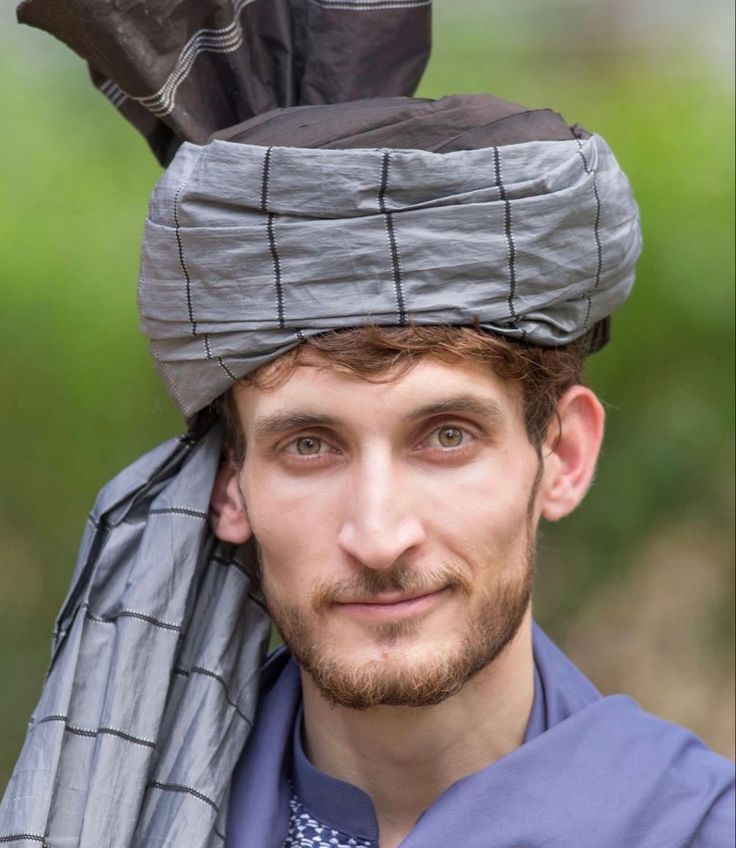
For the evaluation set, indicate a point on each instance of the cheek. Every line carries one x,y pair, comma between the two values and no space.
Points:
295,529
484,508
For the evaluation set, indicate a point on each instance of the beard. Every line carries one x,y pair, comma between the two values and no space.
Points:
419,683
412,682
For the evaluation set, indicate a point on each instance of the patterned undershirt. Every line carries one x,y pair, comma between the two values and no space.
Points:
306,832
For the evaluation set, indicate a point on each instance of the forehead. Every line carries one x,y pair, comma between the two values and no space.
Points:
319,386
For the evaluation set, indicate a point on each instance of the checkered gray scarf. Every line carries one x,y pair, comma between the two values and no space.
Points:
153,680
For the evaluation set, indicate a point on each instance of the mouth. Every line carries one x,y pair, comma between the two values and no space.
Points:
392,605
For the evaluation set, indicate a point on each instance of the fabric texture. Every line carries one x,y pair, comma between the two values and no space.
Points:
249,249
457,122
306,832
179,70
592,771
153,682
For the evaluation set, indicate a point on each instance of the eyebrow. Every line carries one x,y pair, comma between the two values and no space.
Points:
284,422
490,411
290,420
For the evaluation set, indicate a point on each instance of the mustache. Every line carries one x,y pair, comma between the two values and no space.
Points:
369,584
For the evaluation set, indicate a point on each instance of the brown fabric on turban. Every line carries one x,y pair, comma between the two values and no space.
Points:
459,122
180,70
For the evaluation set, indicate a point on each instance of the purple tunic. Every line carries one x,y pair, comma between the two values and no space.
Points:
592,771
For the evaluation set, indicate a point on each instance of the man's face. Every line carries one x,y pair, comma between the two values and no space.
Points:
394,522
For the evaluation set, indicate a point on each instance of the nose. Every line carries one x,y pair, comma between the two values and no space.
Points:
380,523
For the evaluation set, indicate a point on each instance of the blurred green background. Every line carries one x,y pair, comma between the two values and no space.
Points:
638,585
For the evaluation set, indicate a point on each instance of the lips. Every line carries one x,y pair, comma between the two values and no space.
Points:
389,598
392,604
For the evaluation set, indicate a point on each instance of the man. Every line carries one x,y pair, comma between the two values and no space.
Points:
387,303
402,580
401,583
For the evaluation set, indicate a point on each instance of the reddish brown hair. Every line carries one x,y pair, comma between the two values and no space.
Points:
377,354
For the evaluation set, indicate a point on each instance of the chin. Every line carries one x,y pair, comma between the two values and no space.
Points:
417,660
395,670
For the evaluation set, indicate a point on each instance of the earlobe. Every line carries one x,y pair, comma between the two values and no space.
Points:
228,515
571,452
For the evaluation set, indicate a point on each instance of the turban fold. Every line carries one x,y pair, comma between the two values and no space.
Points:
251,247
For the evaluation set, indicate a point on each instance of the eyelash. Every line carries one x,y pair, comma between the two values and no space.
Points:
467,437
290,448
305,456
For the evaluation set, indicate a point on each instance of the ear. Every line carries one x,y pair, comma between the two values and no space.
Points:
228,515
570,452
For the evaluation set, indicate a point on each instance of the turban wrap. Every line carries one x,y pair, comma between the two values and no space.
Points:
291,206
255,241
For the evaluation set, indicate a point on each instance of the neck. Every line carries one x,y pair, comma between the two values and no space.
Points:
405,757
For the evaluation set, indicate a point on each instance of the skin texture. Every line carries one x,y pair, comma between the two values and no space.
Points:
395,524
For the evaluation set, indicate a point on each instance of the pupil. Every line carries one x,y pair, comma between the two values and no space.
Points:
450,436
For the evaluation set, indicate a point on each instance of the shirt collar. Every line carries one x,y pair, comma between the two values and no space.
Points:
332,802
347,808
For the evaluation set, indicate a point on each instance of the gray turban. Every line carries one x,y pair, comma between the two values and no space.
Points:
307,196
511,221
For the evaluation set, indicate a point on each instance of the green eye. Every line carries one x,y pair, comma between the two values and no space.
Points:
308,445
450,437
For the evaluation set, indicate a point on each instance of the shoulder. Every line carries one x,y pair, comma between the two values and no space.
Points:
629,772
697,784
673,788
615,775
